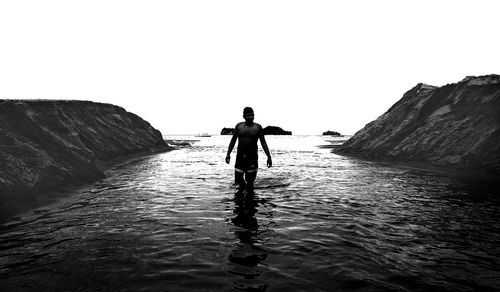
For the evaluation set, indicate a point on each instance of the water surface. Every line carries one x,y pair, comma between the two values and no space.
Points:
316,222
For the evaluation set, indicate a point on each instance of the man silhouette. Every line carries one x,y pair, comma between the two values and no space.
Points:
247,133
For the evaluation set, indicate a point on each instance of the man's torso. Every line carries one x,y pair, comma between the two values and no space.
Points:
248,135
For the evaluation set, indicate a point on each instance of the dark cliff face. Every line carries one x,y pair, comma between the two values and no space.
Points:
46,144
456,125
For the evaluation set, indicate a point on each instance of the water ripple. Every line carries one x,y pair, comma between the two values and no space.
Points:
316,222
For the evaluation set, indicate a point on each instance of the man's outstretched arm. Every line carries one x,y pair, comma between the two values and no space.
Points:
266,150
230,148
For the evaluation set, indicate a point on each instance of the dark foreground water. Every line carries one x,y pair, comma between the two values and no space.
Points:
317,222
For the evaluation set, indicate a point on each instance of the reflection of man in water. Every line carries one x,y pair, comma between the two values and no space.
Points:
245,209
247,255
247,133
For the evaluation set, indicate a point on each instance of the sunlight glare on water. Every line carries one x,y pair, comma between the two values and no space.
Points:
317,222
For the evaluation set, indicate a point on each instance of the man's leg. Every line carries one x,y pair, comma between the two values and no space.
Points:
250,178
238,179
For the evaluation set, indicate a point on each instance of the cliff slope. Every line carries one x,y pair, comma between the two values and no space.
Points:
456,125
46,144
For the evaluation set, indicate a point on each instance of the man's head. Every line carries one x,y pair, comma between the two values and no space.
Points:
248,114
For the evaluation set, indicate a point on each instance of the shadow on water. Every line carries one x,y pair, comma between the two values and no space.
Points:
246,258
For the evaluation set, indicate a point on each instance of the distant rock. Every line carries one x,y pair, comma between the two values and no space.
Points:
227,131
456,125
273,130
269,130
47,144
331,133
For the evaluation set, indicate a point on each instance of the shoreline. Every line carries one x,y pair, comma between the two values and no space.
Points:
28,205
475,175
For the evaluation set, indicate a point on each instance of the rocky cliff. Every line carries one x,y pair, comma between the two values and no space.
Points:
456,125
48,144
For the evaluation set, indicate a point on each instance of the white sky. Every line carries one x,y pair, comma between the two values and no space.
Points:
191,66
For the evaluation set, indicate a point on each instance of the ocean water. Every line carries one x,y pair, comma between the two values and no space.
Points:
316,222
